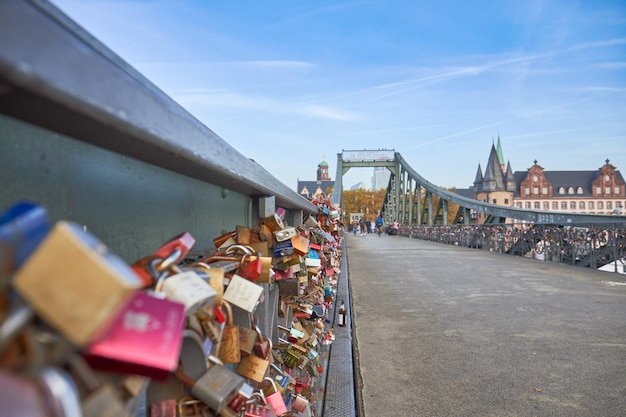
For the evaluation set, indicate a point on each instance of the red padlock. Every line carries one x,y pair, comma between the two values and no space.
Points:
250,266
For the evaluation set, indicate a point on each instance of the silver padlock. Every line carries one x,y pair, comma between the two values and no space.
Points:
216,388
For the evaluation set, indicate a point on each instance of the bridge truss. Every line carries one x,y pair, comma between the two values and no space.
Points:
413,200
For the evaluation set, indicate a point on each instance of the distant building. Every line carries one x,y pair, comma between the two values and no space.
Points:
312,189
357,186
601,191
380,178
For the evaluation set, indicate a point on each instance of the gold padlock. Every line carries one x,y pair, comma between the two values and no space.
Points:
75,283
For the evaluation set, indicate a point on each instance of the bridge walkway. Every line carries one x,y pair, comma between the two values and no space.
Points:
440,330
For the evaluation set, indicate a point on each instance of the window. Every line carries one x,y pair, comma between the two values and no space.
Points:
609,205
600,205
616,191
527,204
607,190
506,201
598,190
546,205
581,205
535,190
579,190
494,201
518,205
526,190
544,190
563,205
591,205
570,190
555,205
561,190
572,205
537,205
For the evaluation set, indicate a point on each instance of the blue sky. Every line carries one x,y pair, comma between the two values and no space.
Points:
290,83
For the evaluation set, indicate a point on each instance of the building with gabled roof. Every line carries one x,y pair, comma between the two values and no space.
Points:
313,189
600,191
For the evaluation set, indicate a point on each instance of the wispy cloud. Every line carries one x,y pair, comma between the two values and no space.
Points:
227,99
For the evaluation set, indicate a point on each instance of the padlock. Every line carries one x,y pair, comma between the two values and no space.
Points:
284,234
98,397
282,249
225,240
181,243
22,228
164,408
274,222
229,351
79,298
243,293
214,276
275,400
300,403
190,407
280,274
311,222
51,393
238,404
145,339
257,407
267,275
289,287
300,244
206,321
189,289
18,347
255,365
216,388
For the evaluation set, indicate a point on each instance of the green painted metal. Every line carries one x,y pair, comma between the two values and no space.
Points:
132,206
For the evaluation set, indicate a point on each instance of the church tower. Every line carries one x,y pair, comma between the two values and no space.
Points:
322,171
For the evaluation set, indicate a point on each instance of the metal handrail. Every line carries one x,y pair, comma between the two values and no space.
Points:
592,245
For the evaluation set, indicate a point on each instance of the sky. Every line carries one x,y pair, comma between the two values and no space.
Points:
290,83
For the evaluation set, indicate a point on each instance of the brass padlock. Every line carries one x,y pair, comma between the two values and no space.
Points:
78,298
229,351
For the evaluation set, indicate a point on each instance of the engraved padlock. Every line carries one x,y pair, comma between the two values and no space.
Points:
189,289
145,339
229,351
243,293
255,365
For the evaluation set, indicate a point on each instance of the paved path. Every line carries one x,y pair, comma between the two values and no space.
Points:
448,331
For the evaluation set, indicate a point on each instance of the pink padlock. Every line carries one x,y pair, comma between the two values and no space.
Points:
300,403
276,401
145,338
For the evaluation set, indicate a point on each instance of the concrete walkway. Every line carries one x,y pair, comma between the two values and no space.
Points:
448,331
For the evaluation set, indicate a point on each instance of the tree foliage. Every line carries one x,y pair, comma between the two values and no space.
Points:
363,201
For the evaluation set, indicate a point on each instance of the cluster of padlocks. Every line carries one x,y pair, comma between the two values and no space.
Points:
176,333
